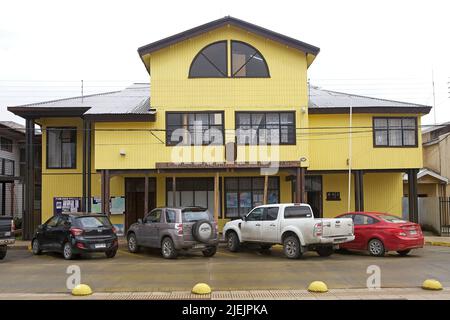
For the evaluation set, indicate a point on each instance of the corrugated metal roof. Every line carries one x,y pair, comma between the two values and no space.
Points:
134,99
320,98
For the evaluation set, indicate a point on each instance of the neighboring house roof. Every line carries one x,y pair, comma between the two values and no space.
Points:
327,101
291,42
428,172
436,140
436,127
13,125
133,102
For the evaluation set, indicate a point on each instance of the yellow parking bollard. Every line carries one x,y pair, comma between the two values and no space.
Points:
431,284
201,288
82,290
318,286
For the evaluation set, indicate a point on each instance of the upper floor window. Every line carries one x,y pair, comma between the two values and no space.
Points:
247,61
61,148
212,61
194,128
6,144
265,128
395,132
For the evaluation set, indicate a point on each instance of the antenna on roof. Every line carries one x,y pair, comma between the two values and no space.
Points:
82,90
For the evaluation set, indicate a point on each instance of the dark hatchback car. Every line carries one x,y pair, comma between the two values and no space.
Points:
73,234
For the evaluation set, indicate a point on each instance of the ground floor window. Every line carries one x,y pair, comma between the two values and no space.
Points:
244,193
191,192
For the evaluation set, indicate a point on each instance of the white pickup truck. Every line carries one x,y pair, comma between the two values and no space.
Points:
290,224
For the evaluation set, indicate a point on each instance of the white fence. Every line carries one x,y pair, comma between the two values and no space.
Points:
429,215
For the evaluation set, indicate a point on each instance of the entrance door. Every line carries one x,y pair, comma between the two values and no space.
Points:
313,188
135,199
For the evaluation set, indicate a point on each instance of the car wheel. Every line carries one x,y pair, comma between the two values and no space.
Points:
132,243
233,241
325,251
404,253
67,251
110,253
291,247
35,247
3,250
168,249
376,248
209,252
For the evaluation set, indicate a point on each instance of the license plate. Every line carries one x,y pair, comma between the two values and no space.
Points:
413,232
100,245
7,234
199,246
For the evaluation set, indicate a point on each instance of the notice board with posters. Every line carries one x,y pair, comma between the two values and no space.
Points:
66,204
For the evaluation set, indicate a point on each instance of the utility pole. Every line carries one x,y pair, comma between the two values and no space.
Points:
82,90
434,96
350,160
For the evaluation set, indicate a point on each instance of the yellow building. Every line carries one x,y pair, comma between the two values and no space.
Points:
228,122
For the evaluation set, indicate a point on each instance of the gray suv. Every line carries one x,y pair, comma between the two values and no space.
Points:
175,229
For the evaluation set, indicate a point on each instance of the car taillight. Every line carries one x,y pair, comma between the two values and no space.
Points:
76,232
179,227
13,226
318,228
80,245
114,229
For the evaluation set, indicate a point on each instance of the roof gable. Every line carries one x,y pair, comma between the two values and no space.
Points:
228,20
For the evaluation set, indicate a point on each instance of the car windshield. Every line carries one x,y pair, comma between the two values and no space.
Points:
191,215
93,222
392,219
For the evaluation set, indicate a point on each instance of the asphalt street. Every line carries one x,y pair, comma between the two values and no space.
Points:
21,272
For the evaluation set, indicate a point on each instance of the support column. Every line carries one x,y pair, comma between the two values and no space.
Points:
266,186
300,185
359,190
107,192
89,161
216,197
174,190
83,170
28,216
146,195
412,195
102,190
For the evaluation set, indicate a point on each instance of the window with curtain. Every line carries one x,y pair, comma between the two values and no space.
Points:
61,148
395,131
265,128
247,61
197,128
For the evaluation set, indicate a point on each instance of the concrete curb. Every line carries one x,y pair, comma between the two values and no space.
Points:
438,243
332,294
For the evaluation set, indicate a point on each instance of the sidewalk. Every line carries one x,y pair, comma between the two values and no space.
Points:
333,294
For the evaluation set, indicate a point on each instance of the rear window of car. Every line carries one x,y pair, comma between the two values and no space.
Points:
195,215
294,212
93,222
392,219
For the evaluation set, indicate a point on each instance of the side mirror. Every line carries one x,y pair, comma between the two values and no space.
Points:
139,221
244,218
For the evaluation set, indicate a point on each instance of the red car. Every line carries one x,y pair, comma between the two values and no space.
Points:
382,232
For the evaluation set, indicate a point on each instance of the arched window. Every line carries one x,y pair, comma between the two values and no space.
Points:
210,62
247,61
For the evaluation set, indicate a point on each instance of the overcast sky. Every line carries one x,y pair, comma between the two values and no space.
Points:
385,49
